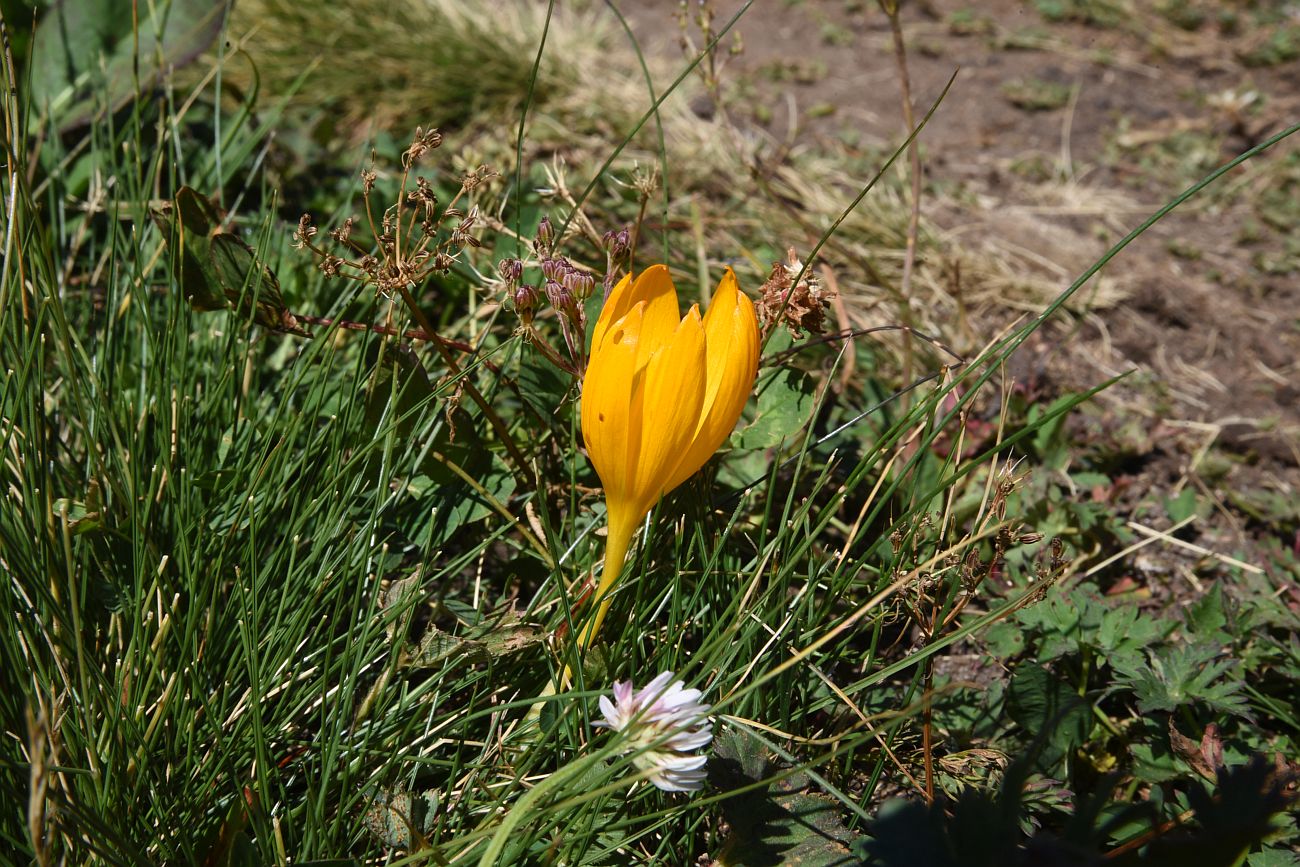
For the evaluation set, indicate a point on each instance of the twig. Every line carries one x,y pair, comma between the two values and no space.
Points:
412,334
1172,540
890,8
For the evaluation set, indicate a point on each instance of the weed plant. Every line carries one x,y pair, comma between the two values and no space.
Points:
279,597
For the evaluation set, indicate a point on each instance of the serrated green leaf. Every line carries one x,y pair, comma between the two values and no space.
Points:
1206,618
1125,632
1273,858
782,823
1046,706
1184,674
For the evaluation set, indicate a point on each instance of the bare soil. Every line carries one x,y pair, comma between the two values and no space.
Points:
1056,139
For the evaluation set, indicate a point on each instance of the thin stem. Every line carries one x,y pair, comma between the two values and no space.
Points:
890,8
622,528
499,426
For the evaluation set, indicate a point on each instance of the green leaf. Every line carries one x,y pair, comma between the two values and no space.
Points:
512,638
1185,674
1273,858
85,51
1206,618
1044,705
399,390
543,385
782,823
1183,506
1050,440
216,269
83,516
437,647
785,401
251,285
185,223
1125,632
401,819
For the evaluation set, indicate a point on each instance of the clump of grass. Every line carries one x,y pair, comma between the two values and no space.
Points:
368,66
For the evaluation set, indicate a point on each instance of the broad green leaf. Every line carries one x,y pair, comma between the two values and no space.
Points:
184,224
84,51
437,647
215,269
399,390
785,402
249,283
401,819
509,639
1045,706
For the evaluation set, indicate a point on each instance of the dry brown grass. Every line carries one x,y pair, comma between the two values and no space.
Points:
736,194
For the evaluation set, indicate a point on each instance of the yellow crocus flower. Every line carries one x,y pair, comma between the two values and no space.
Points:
662,393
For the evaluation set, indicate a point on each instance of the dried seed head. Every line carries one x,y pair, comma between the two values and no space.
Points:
423,195
802,306
343,234
421,143
329,265
476,177
304,233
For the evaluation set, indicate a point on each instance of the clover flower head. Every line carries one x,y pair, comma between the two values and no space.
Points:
664,724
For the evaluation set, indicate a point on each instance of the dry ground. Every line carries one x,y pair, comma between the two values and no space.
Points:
1057,138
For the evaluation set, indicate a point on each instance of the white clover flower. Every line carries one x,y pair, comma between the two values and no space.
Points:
664,725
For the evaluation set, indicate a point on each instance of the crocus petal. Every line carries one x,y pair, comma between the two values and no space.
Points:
654,288
612,437
731,337
673,390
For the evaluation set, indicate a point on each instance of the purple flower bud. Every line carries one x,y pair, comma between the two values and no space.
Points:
545,234
618,243
510,270
525,298
555,269
581,285
560,298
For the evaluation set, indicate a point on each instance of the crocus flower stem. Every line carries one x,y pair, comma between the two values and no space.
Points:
617,543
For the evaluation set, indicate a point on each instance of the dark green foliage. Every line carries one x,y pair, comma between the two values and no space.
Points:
784,821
